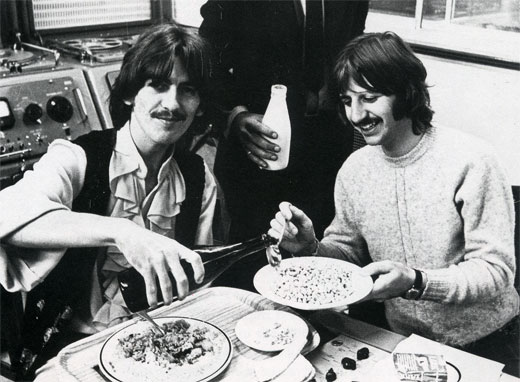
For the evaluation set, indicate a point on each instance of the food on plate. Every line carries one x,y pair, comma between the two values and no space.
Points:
191,351
270,330
181,344
279,334
312,285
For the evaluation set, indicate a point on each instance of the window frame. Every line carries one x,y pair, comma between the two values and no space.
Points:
442,38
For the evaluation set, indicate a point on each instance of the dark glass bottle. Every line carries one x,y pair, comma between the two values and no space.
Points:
216,260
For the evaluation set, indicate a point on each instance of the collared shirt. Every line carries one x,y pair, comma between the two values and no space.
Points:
56,181
156,211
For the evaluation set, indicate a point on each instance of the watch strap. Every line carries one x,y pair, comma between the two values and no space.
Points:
418,286
418,282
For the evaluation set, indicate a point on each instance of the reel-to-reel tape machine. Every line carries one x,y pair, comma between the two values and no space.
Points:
92,51
57,86
57,91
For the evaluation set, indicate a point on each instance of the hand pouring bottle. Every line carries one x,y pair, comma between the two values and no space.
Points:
277,118
216,260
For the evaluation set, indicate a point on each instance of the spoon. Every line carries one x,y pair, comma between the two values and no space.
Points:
274,257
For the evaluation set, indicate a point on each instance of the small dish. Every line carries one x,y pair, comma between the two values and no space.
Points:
270,330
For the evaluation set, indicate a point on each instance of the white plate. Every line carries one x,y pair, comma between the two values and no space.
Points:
270,330
315,283
117,368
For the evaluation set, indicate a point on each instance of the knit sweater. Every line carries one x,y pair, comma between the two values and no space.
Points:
446,208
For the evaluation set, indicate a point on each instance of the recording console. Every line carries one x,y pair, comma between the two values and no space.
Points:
60,90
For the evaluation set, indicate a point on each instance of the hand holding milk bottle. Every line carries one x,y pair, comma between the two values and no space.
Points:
277,118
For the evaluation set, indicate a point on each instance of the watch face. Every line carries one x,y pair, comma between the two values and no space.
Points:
412,294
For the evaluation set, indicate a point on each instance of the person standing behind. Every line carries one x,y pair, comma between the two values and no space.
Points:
294,43
426,210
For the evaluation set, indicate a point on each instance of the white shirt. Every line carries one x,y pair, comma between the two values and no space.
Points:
56,181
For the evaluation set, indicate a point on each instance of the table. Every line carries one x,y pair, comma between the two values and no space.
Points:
358,333
223,307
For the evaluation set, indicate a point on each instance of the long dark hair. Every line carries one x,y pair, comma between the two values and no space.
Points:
384,63
152,57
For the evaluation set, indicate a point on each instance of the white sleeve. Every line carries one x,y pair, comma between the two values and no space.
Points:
56,180
204,235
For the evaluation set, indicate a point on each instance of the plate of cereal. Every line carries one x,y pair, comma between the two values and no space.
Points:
313,283
270,330
191,350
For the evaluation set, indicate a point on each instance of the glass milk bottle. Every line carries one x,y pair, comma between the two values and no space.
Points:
277,118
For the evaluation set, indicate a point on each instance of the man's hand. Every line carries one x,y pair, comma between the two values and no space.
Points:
298,235
252,134
393,279
154,255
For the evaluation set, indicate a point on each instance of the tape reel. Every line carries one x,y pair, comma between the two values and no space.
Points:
95,44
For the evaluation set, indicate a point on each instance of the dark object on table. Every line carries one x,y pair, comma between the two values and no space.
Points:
362,353
348,363
331,375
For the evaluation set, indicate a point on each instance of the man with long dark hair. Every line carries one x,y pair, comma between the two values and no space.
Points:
113,199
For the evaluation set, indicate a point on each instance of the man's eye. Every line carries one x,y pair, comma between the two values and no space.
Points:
188,90
370,99
346,101
160,85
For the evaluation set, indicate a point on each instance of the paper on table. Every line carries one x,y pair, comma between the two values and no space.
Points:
300,370
471,367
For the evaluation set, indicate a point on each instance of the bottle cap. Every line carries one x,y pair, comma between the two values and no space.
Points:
279,90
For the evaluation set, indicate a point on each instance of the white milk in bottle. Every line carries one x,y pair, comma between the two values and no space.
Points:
277,118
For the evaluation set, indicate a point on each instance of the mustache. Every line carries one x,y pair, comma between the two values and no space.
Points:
164,113
365,121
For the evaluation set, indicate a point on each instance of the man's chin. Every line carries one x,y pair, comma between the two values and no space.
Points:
372,140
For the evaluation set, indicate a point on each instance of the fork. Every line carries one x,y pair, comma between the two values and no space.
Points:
143,315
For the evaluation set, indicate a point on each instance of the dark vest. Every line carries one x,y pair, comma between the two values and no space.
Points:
66,284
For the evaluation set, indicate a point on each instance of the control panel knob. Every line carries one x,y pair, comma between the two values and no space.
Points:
32,114
59,109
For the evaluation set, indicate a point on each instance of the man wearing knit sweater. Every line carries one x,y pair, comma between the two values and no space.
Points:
426,210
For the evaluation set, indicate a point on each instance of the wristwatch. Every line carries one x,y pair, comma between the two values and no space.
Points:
417,289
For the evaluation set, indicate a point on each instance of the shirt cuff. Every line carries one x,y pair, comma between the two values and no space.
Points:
236,111
438,286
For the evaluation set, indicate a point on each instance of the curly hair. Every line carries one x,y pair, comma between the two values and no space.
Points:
384,63
152,57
